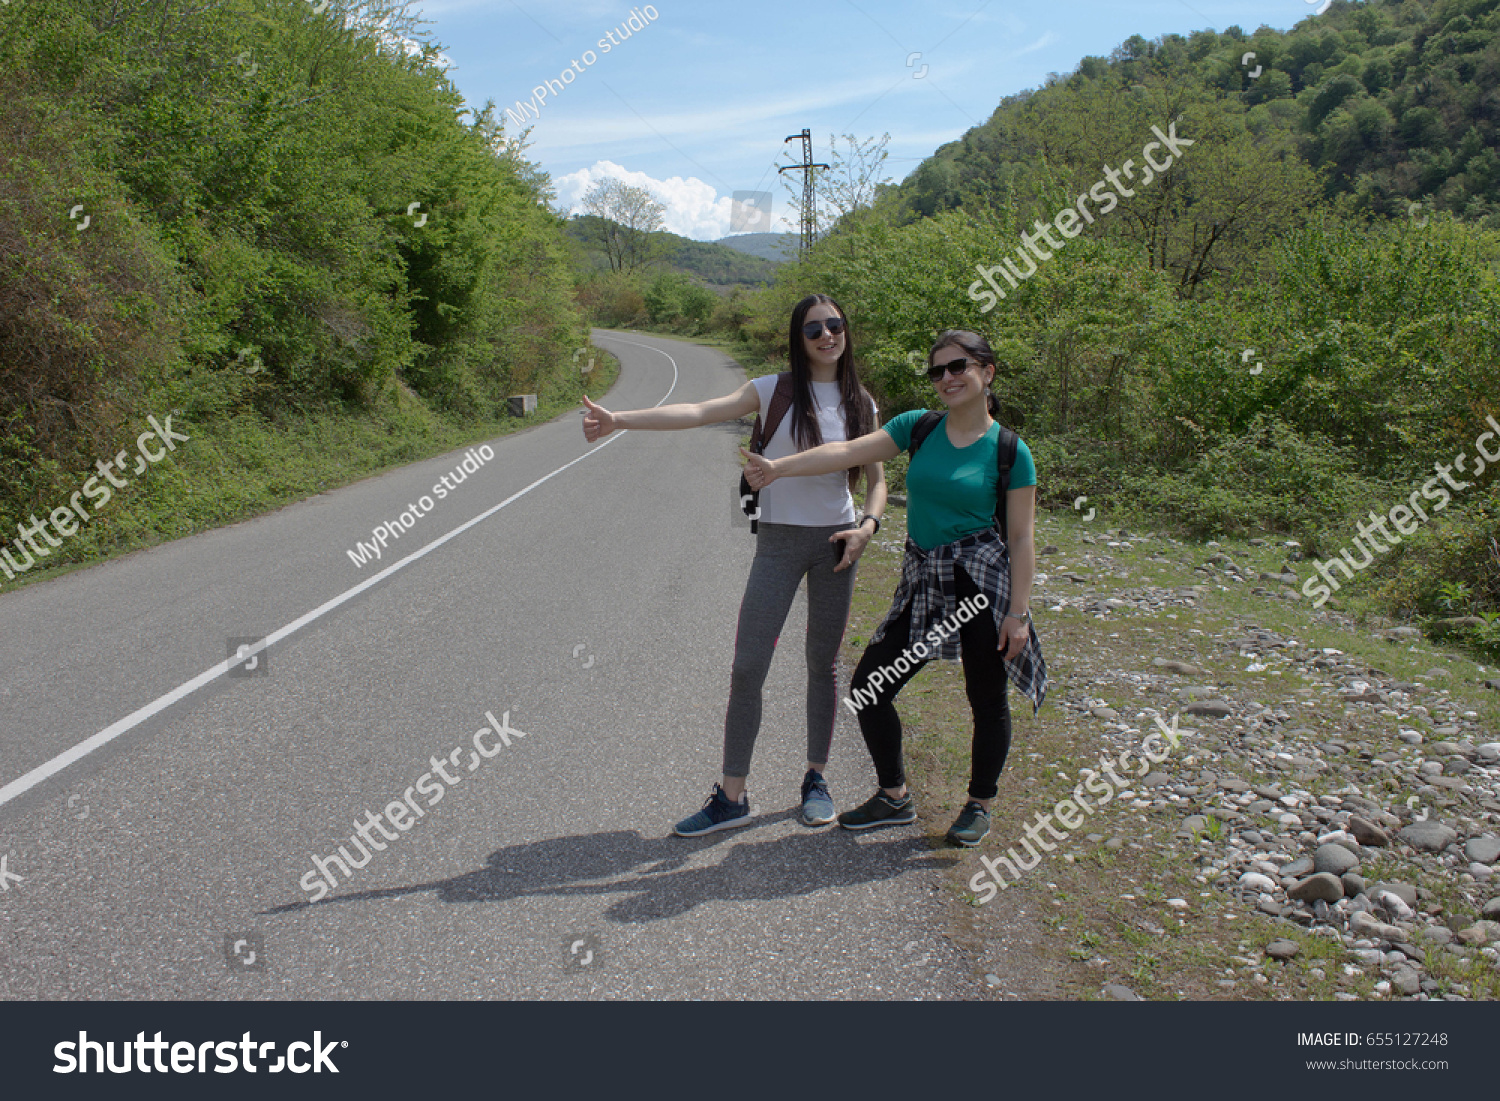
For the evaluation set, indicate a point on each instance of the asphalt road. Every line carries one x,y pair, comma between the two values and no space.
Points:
158,814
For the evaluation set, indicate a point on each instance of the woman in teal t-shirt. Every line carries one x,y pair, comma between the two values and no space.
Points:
964,590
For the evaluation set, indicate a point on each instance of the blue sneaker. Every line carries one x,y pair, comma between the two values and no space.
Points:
817,804
718,813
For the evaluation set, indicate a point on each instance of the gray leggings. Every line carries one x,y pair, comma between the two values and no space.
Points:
784,553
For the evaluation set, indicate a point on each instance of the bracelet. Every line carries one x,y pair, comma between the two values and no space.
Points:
860,523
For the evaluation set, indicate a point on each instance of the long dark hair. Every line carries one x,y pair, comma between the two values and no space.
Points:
978,348
858,420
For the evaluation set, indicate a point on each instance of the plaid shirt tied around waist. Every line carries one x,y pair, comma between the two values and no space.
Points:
927,584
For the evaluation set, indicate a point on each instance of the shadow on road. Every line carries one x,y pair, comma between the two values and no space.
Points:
652,872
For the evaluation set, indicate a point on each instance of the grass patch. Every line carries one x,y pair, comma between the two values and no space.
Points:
237,468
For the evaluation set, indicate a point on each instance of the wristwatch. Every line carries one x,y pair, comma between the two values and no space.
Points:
867,516
1024,617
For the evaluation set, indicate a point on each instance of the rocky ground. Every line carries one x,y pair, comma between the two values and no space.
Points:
1328,827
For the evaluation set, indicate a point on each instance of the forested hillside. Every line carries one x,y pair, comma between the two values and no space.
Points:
1395,102
779,247
257,214
712,263
1230,293
1288,323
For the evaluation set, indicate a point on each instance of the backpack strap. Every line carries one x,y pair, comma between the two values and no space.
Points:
923,428
760,435
781,401
1005,458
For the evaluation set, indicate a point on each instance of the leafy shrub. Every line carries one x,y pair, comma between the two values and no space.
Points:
675,299
1451,565
1271,478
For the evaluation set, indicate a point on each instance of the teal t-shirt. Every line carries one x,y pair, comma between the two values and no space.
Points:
951,491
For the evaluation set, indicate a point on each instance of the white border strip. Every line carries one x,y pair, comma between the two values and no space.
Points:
19,787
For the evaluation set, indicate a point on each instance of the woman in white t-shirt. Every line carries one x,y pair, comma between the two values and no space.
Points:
807,528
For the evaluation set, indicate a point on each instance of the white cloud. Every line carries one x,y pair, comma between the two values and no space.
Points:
694,209
1040,44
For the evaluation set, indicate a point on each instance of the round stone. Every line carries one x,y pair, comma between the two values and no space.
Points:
1430,836
1322,885
1334,859
1483,850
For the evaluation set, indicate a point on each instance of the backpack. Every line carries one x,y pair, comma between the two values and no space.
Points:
781,401
1005,458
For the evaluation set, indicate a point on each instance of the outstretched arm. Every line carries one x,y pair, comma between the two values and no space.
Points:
599,422
874,447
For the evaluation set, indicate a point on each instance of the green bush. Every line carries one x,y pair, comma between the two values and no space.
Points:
613,300
1271,478
673,298
1451,566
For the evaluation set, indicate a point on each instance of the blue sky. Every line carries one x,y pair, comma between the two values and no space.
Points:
695,105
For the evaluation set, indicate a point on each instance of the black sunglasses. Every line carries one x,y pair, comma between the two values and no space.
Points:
957,366
814,329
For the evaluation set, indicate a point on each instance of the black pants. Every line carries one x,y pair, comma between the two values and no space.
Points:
985,683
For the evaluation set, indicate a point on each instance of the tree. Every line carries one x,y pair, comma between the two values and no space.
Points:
853,181
627,216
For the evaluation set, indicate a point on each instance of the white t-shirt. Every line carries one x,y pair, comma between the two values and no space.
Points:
820,500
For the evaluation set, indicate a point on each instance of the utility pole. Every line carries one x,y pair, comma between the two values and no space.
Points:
809,206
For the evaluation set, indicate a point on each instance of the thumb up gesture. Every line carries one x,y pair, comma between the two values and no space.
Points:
759,470
598,421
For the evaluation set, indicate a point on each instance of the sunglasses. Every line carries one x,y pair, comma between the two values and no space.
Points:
814,329
957,366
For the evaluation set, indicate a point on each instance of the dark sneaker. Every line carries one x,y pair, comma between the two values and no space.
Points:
972,827
717,814
817,804
880,810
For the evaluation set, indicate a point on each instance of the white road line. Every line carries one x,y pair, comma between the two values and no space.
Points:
19,787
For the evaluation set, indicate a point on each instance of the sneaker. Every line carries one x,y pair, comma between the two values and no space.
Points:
817,804
880,810
972,827
718,813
